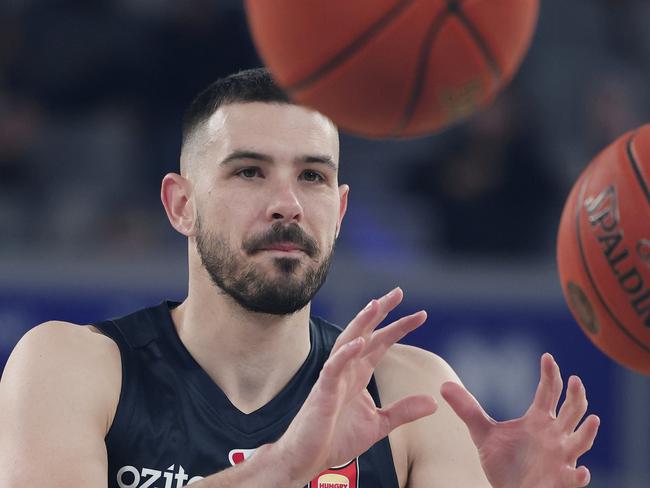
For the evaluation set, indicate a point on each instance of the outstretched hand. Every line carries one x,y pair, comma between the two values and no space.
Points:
339,419
540,449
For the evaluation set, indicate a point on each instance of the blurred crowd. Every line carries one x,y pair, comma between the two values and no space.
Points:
91,99
92,94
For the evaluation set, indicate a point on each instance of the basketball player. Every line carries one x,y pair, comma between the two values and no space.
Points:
237,386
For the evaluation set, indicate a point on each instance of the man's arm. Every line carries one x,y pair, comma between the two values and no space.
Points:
58,393
435,451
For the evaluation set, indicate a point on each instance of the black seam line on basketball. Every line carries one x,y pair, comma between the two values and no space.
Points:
635,167
480,41
591,279
454,7
420,72
348,51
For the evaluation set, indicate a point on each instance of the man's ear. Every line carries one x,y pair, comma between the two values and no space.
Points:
344,191
176,194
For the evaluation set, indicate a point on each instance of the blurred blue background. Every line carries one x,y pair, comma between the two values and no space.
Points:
91,99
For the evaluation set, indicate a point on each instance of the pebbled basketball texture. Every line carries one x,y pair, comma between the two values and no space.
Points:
603,250
392,68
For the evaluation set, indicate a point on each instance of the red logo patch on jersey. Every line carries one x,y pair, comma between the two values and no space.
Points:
346,476
238,456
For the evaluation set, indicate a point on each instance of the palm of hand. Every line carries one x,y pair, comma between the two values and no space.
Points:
358,423
532,450
339,419
540,449
361,424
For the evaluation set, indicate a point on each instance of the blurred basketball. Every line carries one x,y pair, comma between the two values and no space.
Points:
603,250
392,67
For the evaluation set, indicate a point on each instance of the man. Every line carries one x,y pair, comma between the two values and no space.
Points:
237,386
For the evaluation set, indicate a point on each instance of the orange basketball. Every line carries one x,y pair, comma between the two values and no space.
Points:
603,250
392,67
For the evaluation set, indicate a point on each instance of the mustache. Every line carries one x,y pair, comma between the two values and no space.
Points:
279,234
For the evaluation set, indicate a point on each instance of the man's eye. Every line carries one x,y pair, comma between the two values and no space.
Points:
312,176
249,173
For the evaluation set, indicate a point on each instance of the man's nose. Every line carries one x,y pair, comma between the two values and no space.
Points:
285,205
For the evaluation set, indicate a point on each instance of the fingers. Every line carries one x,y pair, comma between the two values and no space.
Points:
370,317
389,335
469,411
583,438
574,406
386,304
333,368
550,386
577,477
406,410
582,476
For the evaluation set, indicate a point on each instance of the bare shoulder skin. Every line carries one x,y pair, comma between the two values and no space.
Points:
58,395
435,451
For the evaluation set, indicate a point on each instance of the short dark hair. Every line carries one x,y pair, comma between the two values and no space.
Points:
252,85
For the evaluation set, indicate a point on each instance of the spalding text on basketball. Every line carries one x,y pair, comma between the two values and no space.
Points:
604,218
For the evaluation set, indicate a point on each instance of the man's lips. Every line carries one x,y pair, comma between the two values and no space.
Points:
283,248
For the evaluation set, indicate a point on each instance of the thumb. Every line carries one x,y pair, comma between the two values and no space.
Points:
468,409
407,410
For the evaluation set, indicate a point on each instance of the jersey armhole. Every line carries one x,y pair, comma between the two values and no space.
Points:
382,450
125,409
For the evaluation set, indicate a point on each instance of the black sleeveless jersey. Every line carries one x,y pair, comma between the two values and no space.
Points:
174,426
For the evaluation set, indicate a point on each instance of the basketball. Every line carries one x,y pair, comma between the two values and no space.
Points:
603,250
392,68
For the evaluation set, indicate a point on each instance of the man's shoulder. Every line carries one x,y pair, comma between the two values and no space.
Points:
70,355
65,339
60,387
58,364
406,370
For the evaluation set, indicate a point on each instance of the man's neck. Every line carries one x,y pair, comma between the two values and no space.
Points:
250,356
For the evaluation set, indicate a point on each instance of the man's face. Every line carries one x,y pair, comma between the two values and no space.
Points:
268,203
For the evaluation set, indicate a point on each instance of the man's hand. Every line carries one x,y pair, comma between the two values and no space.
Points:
540,449
339,419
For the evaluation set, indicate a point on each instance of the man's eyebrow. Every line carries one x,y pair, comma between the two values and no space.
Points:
306,159
243,154
319,159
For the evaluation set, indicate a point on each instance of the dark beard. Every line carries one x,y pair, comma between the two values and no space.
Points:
249,286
